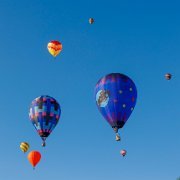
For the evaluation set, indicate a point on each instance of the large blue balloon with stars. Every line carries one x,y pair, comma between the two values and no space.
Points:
116,96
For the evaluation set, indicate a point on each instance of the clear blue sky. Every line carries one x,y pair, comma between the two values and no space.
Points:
138,38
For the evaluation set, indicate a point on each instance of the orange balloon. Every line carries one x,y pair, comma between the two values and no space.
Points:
54,48
34,157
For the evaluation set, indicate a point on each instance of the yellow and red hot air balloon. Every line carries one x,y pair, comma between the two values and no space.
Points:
54,47
34,157
24,146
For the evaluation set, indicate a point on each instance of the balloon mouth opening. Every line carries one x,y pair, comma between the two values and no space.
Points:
44,134
118,125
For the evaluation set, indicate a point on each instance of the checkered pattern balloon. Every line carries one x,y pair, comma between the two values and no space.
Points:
44,115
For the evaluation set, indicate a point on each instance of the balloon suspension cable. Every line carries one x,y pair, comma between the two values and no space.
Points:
118,138
115,129
33,168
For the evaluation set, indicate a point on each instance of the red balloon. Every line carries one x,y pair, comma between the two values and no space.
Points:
34,157
123,152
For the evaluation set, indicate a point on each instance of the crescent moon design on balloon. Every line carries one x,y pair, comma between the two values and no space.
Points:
102,98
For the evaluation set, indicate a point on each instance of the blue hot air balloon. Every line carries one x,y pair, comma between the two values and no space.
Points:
116,96
44,114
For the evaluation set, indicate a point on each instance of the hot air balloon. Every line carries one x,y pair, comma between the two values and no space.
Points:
168,76
34,157
123,152
91,20
44,114
54,48
115,96
24,146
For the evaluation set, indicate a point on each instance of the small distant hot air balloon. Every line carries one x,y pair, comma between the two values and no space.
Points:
54,48
123,152
91,20
34,157
24,146
44,114
168,76
116,96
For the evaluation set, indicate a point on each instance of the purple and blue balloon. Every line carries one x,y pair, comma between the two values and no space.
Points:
116,96
44,114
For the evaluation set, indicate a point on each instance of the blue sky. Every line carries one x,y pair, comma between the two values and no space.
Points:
140,39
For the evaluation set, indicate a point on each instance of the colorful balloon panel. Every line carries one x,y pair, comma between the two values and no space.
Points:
116,96
44,114
54,48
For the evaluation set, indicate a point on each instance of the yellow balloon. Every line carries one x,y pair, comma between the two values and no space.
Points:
24,146
54,48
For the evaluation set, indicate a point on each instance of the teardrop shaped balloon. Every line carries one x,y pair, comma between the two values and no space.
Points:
34,157
116,96
44,114
54,47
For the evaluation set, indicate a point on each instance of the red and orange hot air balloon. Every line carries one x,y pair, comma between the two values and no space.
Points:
123,152
34,157
54,47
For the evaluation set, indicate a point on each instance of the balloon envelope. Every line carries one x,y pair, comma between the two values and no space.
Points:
34,157
115,96
44,114
168,76
54,48
24,146
91,20
123,152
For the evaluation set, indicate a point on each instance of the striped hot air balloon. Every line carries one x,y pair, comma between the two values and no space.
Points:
24,146
54,47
